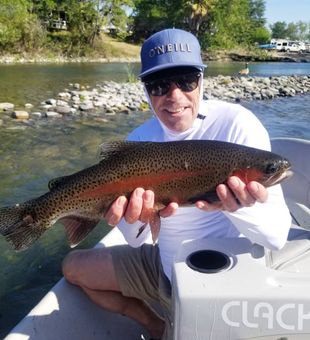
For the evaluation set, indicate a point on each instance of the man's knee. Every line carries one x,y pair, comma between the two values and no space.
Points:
71,266
90,268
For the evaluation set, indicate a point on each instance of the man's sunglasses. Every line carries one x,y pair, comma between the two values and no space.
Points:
160,87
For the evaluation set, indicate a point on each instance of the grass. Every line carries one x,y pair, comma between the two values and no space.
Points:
120,49
105,48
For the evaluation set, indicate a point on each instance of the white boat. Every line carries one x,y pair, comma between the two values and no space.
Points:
273,302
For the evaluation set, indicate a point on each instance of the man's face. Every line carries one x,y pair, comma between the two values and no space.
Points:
177,109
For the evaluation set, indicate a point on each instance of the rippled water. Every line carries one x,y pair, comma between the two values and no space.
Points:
288,117
29,158
20,84
32,155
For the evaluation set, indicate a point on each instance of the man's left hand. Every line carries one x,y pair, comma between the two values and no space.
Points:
236,194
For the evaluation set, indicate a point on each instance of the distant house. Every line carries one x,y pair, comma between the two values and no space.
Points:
56,21
58,24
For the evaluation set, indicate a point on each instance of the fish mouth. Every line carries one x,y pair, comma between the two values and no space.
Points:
278,178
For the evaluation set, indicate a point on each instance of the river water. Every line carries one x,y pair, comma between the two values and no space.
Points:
32,155
21,84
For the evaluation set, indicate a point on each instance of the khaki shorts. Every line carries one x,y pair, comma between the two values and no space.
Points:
140,275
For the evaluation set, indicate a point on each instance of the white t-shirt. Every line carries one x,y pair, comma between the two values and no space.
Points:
266,224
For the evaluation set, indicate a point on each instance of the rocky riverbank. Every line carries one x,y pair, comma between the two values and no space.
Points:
256,56
110,98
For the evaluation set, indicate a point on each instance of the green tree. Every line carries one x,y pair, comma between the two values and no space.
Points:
43,8
19,29
259,33
219,23
292,31
279,30
308,32
257,13
83,22
231,24
115,12
197,13
149,16
303,29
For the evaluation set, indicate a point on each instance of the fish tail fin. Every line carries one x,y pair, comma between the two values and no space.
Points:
17,226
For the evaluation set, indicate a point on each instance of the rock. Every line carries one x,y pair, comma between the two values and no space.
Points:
286,91
52,114
99,103
76,99
110,98
267,94
63,109
51,101
28,106
61,103
87,106
20,115
47,107
257,96
6,106
64,95
101,120
124,109
35,114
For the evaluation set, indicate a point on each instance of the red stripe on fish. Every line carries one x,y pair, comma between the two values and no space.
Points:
131,183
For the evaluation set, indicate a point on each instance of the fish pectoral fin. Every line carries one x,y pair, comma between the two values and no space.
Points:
141,229
77,228
154,222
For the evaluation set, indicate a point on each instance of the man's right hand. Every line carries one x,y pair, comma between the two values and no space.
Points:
136,208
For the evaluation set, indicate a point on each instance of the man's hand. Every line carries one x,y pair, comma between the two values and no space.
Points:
236,194
136,209
233,196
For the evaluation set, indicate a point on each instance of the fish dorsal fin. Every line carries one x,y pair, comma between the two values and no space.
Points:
77,228
109,149
53,183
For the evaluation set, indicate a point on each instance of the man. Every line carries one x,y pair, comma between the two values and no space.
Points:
128,280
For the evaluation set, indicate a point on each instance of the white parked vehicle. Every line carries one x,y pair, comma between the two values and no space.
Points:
284,45
280,44
295,47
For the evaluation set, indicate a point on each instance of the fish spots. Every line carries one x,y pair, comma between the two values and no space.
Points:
176,171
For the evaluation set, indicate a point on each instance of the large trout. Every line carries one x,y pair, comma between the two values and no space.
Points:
182,172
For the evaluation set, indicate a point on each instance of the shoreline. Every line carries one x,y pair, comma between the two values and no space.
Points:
110,98
224,56
12,60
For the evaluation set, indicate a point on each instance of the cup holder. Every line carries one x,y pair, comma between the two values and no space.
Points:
208,261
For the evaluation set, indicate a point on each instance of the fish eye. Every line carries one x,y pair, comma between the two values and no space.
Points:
271,168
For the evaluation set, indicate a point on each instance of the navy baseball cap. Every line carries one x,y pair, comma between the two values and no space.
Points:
170,48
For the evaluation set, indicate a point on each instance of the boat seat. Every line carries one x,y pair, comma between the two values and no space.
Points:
295,255
297,188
